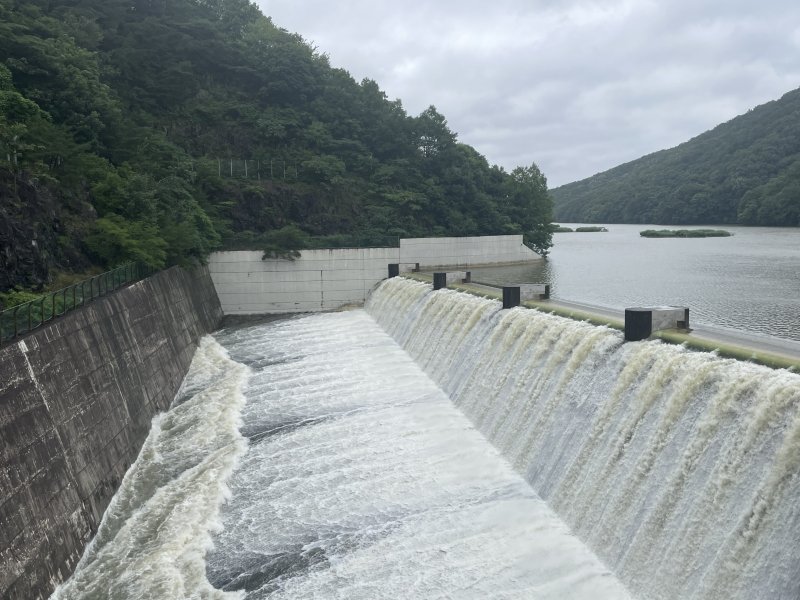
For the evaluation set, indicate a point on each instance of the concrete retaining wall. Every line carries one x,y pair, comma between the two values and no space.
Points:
466,251
318,280
330,279
76,401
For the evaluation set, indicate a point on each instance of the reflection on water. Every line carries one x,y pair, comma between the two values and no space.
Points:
747,282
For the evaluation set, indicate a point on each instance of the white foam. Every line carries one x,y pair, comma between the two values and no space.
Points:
363,481
680,469
157,529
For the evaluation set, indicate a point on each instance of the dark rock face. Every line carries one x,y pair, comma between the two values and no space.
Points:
76,400
38,231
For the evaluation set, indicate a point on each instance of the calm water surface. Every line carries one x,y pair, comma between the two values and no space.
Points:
748,282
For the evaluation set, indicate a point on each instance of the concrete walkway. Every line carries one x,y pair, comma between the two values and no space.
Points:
743,340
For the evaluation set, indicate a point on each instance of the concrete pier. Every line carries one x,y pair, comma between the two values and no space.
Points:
511,296
641,322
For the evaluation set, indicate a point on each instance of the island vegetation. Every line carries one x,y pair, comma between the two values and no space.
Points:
160,131
684,233
745,171
584,229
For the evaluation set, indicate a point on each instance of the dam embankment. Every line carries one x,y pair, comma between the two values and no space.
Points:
76,402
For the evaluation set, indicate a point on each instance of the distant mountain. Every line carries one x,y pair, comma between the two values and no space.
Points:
745,171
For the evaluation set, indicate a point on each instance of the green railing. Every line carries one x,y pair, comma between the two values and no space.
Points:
25,317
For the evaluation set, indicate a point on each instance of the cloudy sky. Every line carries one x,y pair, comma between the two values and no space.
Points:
576,86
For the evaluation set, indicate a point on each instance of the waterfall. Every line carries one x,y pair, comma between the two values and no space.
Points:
679,469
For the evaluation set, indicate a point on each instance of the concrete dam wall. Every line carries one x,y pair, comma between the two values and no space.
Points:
76,401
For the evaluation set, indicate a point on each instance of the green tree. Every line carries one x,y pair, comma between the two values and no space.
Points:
530,207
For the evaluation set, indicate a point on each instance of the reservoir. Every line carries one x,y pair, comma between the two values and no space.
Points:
747,282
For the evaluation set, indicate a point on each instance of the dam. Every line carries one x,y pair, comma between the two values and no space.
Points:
434,445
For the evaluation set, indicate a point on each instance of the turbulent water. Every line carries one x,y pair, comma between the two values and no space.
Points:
680,469
154,535
348,455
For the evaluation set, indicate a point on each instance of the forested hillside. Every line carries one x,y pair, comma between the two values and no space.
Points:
745,171
159,130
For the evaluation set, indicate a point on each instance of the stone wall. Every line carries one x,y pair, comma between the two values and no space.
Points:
76,400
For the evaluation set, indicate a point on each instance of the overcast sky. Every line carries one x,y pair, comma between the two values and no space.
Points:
575,86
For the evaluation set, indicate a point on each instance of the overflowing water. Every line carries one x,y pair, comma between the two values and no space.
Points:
362,480
154,535
436,446
681,470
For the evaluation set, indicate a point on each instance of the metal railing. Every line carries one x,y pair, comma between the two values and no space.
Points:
22,318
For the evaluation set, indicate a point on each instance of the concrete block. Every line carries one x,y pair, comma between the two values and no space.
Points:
534,291
641,322
511,296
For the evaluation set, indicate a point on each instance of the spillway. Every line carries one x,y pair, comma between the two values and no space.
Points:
436,446
679,469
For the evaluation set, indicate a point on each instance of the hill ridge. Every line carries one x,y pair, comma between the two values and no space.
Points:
744,171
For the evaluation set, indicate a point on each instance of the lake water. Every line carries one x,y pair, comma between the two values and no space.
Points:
747,282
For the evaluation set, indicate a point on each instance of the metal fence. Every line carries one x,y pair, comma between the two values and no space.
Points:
25,317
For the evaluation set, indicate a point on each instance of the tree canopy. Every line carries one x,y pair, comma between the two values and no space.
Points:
160,131
745,171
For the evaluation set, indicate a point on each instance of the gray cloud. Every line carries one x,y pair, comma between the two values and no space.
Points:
575,86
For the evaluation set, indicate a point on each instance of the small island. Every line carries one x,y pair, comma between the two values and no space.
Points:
684,233
556,228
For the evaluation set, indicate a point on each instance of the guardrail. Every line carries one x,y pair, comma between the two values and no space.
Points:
22,318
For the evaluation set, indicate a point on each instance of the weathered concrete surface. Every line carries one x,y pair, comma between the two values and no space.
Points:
76,400
330,279
466,251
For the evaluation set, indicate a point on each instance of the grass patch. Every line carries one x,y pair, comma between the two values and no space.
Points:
562,229
590,229
684,233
